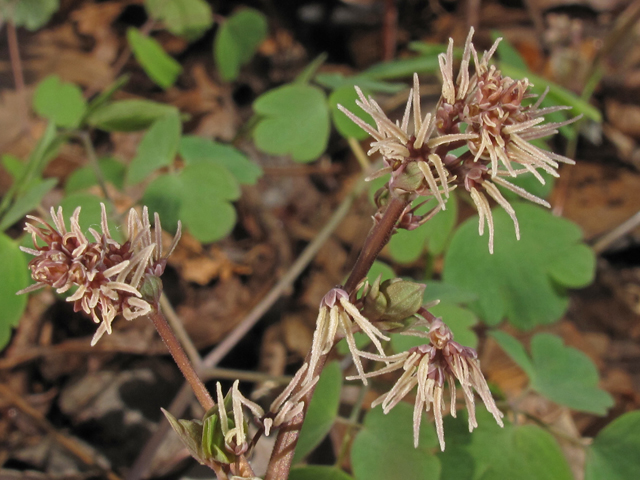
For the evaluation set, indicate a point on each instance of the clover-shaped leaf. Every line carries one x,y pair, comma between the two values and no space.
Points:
346,96
60,102
613,455
194,149
83,178
318,472
524,280
295,121
562,374
383,449
160,67
237,40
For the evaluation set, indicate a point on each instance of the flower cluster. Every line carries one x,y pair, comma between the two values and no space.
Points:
235,438
428,367
108,275
490,114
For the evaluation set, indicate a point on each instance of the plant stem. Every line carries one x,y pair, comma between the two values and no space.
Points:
16,66
93,161
376,240
284,448
180,357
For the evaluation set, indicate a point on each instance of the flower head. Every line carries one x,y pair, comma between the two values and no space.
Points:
427,367
108,275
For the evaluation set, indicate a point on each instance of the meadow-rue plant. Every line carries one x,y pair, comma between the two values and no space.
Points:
108,275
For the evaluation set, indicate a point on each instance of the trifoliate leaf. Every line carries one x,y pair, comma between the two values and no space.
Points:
295,121
164,195
447,293
322,412
563,374
237,40
524,280
406,246
318,472
614,452
346,96
212,180
525,452
60,102
14,277
157,148
383,449
83,178
156,63
31,14
185,18
129,115
195,149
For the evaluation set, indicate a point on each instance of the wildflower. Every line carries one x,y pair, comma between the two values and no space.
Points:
108,275
428,367
235,438
401,148
338,314
491,106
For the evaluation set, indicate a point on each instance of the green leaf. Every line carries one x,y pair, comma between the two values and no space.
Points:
83,178
157,148
195,149
105,96
164,195
322,412
384,450
528,182
205,209
14,277
567,376
60,102
515,350
380,268
160,67
310,70
31,14
27,202
129,115
614,452
185,18
433,49
347,96
406,246
525,452
404,67
13,165
295,121
523,280
318,472
237,40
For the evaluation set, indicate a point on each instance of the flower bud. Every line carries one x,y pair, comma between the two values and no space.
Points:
393,300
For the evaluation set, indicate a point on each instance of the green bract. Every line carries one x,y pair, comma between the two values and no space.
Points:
384,450
160,67
60,102
294,121
562,374
237,40
524,280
